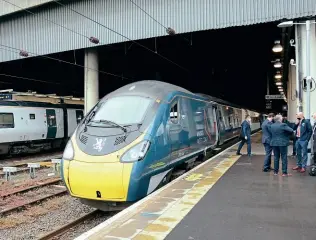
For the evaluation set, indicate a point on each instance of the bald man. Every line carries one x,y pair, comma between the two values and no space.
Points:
304,132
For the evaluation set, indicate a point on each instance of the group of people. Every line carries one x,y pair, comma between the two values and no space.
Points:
276,134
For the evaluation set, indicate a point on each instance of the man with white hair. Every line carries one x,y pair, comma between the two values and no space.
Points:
304,132
280,139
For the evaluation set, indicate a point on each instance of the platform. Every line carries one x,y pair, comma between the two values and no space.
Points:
226,198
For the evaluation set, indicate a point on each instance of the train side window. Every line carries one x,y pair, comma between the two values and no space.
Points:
174,113
6,120
32,116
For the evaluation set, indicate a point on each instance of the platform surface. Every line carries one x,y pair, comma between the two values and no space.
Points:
226,198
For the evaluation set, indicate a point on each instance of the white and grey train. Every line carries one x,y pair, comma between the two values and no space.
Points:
32,127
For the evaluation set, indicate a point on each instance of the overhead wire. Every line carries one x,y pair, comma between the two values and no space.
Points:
148,14
29,79
57,59
139,44
63,61
26,10
167,28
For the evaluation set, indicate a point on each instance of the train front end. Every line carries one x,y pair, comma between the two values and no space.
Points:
107,149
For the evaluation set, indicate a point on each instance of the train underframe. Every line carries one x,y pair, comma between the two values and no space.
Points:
31,147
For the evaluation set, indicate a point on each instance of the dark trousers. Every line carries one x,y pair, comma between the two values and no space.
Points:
280,152
294,145
241,144
301,151
267,159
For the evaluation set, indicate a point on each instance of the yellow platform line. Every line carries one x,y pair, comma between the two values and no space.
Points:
173,215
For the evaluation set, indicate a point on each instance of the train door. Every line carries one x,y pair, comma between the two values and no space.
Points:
79,116
220,124
51,123
212,124
178,135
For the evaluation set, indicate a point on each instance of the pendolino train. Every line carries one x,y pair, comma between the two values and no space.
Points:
137,137
31,127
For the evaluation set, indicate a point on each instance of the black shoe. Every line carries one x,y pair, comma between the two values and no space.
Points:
267,169
238,154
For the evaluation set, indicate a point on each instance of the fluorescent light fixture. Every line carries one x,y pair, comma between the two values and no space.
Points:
286,24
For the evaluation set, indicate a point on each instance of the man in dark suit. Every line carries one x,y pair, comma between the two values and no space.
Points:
266,139
280,138
304,132
314,137
245,135
293,136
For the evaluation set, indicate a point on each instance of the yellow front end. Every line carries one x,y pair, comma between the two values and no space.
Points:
98,177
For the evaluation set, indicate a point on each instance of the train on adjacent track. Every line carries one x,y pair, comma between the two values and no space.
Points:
135,139
32,127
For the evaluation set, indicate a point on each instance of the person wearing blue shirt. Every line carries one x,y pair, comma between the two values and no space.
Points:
266,139
245,135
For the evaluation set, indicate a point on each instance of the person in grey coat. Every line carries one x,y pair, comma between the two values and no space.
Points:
266,139
280,138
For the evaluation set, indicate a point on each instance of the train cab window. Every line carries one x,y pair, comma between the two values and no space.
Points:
32,116
123,110
174,113
6,120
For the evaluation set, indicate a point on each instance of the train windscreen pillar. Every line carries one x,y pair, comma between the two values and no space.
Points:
91,79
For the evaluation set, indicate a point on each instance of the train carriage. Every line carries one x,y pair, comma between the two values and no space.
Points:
30,127
138,136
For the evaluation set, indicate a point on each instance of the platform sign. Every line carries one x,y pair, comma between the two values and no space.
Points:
268,104
275,97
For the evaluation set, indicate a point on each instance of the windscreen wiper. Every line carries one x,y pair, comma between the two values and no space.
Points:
88,119
110,122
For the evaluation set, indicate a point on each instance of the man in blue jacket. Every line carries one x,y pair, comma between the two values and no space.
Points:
245,135
280,138
304,132
266,139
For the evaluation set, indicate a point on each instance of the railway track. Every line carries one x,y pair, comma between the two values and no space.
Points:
55,234
7,209
40,184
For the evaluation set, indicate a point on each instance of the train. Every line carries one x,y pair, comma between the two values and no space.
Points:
135,139
33,127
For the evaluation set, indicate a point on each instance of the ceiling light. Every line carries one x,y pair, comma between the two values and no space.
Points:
278,83
277,47
277,64
278,75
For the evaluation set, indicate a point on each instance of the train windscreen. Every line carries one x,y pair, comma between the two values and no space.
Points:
123,110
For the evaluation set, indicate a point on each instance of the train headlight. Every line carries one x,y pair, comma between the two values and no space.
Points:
136,153
69,151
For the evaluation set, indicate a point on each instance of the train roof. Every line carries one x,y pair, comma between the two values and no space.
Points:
218,100
223,102
148,88
40,104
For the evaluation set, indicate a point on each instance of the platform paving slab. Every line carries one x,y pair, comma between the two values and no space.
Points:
248,204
